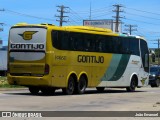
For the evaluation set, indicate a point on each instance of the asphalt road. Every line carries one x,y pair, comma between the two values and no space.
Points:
144,99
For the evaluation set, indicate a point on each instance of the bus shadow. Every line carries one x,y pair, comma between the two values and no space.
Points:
87,92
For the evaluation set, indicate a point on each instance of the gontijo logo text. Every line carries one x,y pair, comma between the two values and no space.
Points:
27,35
27,46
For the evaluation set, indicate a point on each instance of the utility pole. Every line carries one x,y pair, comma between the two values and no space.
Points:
90,11
117,21
61,17
130,28
158,52
1,29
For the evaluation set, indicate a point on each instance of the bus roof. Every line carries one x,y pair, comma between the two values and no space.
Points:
88,29
71,28
134,36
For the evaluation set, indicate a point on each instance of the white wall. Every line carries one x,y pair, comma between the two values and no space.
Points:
3,60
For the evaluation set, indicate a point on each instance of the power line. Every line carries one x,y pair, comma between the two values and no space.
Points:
142,16
130,28
102,15
1,29
75,21
75,14
90,12
141,21
95,10
102,9
149,31
26,15
144,11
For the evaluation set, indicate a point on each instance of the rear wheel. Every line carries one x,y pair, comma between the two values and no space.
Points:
132,86
100,89
70,87
157,83
153,85
82,84
34,90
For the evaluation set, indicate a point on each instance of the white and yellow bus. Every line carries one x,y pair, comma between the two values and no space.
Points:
46,57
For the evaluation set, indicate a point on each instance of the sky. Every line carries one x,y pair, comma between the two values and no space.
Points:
145,14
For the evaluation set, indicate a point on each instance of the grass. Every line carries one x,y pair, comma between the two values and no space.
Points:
4,83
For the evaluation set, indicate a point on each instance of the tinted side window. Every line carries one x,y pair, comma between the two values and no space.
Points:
109,44
60,40
99,43
126,46
115,47
64,40
76,41
89,41
134,46
123,45
94,43
55,39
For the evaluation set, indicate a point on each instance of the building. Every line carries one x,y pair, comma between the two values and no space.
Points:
3,60
0,44
107,23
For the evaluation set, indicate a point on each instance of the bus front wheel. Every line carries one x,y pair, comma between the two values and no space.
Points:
132,86
34,90
70,87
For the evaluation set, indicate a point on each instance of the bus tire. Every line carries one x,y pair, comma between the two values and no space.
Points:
132,86
100,89
34,90
153,85
156,84
82,84
70,87
48,90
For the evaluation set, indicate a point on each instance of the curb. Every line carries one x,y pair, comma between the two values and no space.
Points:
12,89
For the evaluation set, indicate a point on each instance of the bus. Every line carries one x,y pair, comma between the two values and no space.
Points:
45,57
